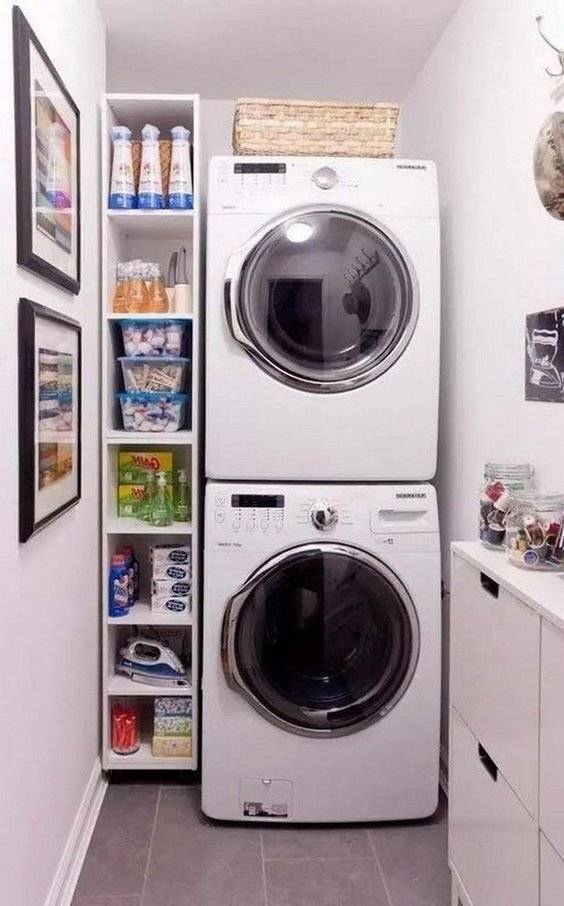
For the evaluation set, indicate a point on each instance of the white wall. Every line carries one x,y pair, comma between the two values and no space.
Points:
49,607
476,109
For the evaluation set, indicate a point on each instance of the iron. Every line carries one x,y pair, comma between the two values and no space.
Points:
151,660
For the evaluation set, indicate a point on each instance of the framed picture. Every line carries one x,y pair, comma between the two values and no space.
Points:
544,356
47,163
49,415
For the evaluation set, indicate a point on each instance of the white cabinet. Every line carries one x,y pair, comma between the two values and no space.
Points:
493,839
551,875
552,737
494,641
506,769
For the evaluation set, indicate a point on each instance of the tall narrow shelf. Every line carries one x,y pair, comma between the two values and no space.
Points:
149,235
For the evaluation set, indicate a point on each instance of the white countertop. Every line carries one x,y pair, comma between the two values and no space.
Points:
541,591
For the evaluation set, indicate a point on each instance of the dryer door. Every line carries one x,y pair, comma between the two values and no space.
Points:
322,640
323,298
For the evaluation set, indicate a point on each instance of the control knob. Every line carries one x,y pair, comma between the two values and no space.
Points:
323,515
325,178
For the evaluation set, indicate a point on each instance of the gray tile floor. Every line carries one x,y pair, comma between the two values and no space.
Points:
153,847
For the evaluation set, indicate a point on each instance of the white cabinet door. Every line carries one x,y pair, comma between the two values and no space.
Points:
493,841
495,671
551,875
552,737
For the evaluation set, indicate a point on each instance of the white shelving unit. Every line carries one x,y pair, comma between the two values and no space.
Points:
149,235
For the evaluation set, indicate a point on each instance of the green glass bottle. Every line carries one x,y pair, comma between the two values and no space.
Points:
149,495
182,507
161,510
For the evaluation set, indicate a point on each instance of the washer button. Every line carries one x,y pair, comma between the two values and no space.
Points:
325,178
220,516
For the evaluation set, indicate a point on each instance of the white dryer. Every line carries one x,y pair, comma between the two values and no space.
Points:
321,654
322,319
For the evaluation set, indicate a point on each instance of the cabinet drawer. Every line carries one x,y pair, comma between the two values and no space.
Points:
551,875
552,736
495,674
493,841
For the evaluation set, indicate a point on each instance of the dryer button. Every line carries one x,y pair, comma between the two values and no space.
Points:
325,178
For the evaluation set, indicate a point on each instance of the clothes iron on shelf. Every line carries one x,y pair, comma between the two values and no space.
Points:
152,660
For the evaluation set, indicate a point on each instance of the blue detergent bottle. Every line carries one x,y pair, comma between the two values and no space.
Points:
150,193
119,590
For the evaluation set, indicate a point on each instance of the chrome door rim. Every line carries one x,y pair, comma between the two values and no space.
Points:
233,280
237,601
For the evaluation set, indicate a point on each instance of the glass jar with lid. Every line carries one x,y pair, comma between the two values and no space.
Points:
535,537
502,482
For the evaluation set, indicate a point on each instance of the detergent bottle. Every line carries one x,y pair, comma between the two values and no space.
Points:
150,179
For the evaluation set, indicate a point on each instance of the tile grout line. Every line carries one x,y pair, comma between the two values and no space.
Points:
380,868
150,849
263,861
320,859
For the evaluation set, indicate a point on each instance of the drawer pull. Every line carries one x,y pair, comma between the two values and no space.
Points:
489,585
489,763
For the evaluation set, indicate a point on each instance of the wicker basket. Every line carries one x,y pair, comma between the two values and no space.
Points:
276,127
165,151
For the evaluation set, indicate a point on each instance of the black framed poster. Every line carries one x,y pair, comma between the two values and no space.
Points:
47,163
544,356
49,415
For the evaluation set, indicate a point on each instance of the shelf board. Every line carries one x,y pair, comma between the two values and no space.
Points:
142,615
122,685
146,316
123,525
119,436
153,224
144,758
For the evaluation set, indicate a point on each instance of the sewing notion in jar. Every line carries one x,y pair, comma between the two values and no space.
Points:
502,482
535,537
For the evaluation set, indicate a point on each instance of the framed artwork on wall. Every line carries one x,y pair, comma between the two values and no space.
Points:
49,415
47,163
544,356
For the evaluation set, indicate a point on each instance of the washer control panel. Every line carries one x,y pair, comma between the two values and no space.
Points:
250,512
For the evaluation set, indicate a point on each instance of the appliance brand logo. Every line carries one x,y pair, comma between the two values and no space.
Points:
411,166
416,495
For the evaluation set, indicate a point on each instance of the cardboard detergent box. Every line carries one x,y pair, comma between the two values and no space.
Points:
133,466
131,500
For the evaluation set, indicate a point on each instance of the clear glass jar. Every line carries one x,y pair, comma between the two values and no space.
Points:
502,482
120,291
125,728
535,536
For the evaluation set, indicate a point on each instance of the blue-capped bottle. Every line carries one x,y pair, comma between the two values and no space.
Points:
119,590
122,188
150,195
180,193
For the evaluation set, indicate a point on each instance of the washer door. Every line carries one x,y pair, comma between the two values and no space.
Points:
322,640
323,298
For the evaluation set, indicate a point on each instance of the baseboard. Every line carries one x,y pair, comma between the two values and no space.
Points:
68,870
443,770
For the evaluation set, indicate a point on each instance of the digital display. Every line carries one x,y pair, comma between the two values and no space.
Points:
259,168
262,501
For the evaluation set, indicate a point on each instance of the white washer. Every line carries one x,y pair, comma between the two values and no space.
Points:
321,667
322,319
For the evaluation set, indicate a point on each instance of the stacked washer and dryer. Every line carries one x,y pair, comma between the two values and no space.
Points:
321,649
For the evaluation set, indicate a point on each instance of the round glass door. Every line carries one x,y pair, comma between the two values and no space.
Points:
326,299
322,640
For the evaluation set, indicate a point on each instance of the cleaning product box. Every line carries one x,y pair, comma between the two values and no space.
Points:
133,466
132,477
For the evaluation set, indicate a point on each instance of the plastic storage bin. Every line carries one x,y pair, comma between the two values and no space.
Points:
535,532
152,339
153,411
147,373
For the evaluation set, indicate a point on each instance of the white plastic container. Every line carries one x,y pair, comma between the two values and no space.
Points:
150,194
122,188
180,192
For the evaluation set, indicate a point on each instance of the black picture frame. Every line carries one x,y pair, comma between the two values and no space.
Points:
28,389
23,39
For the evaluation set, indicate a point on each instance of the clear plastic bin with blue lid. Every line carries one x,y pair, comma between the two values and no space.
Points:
153,412
153,338
164,374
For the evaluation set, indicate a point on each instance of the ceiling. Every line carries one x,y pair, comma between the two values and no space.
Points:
342,49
